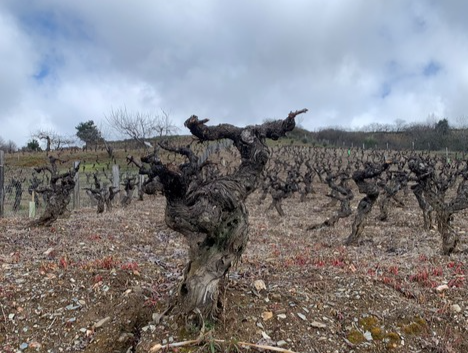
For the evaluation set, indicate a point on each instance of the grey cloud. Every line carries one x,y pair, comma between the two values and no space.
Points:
349,62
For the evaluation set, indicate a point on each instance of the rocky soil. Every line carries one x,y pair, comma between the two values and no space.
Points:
99,283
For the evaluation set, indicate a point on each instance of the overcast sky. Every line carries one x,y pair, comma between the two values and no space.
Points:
351,63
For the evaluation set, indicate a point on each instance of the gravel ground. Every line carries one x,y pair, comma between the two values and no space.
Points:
97,283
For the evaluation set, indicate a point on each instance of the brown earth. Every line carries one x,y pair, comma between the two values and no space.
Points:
96,283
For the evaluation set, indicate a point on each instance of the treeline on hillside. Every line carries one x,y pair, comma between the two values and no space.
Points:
432,137
130,144
429,136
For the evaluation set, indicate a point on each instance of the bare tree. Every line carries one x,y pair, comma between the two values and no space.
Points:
165,125
53,139
12,147
8,146
140,126
400,125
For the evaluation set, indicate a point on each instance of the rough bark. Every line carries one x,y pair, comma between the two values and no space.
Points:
281,190
342,193
307,180
102,195
434,187
97,194
372,191
450,238
34,184
129,185
418,191
212,215
17,185
56,194
265,186
394,184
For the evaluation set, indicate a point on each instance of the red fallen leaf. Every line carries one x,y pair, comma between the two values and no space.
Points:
35,344
63,262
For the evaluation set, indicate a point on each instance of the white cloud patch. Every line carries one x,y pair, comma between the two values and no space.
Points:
351,63
16,67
